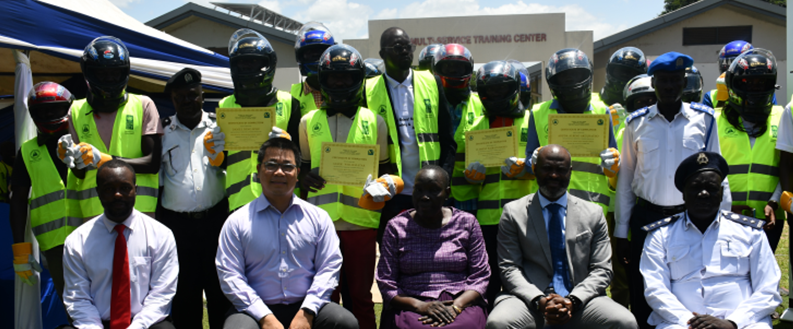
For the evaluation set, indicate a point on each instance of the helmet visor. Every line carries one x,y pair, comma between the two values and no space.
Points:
249,65
755,84
622,73
340,80
497,91
570,77
454,69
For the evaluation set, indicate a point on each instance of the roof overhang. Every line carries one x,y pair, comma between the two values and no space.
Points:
777,14
255,23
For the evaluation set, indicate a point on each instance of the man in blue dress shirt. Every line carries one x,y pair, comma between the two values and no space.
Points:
278,258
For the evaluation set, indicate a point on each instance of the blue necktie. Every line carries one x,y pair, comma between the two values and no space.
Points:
561,281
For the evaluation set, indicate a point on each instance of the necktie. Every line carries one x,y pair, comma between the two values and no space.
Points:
120,299
561,281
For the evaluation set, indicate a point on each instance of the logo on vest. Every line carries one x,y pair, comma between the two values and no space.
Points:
35,155
279,109
524,134
317,128
730,131
382,109
427,106
365,127
774,131
470,118
86,132
130,125
371,152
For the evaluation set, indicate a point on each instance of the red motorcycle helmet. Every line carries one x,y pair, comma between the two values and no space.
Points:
49,104
454,65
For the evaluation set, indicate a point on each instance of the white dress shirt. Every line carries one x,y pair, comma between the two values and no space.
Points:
402,100
189,182
652,149
728,272
88,270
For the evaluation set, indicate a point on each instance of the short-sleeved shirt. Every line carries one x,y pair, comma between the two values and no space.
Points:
784,140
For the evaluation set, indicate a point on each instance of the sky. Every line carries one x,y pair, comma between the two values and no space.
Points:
347,19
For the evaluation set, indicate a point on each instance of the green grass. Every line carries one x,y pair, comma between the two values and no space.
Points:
782,259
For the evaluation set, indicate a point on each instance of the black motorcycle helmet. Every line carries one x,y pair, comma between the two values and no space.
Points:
427,56
751,82
640,87
252,61
693,91
312,40
498,85
341,76
569,76
623,65
105,65
374,67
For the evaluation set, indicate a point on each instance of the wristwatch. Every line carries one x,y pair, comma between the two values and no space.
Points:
535,303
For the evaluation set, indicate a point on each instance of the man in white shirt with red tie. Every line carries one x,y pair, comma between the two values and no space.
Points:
120,268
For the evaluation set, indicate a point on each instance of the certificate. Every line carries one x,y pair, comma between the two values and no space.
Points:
584,135
490,147
348,164
246,128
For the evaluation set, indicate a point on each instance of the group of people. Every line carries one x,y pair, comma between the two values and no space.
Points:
138,218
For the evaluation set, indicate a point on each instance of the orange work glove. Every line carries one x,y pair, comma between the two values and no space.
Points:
90,157
25,263
215,143
377,191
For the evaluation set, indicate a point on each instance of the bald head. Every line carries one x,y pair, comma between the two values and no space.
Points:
555,152
391,35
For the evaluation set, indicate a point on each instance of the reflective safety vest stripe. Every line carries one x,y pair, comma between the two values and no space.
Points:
425,116
306,100
587,181
341,201
242,178
498,189
51,218
754,171
125,142
461,189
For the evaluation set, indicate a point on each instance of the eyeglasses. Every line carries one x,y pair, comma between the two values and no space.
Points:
402,48
285,167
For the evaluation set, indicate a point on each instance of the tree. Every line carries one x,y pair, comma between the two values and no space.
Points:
672,5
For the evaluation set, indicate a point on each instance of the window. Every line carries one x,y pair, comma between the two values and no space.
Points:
721,35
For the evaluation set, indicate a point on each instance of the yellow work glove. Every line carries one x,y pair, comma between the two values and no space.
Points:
618,114
721,89
533,162
279,133
25,263
516,168
67,150
785,201
215,143
90,157
475,173
377,191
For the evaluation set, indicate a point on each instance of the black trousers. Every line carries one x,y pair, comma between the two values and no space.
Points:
490,235
639,307
164,324
330,316
196,246
392,208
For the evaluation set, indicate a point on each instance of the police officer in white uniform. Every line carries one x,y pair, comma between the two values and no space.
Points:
193,203
656,139
705,267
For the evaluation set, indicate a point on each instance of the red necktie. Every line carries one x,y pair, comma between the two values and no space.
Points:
120,299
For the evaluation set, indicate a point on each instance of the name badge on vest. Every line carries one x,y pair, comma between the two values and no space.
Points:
428,106
130,125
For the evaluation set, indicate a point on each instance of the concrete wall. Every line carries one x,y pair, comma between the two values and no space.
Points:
526,38
209,34
766,33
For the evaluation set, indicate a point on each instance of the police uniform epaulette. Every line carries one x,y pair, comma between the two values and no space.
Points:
166,121
702,108
744,220
660,223
637,114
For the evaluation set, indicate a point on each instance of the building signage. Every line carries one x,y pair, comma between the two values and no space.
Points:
477,39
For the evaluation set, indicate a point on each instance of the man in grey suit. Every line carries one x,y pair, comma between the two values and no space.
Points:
554,257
